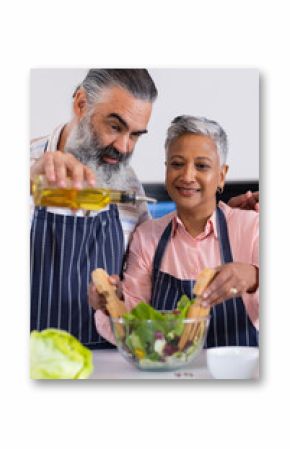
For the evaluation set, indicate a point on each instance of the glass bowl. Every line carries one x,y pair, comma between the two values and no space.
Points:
160,345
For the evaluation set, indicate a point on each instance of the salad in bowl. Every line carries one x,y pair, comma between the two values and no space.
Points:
160,340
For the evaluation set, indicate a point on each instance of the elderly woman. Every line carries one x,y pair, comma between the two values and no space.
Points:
167,254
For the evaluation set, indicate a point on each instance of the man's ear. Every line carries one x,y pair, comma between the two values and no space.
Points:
80,103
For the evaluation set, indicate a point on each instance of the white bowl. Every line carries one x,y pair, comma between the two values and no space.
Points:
233,362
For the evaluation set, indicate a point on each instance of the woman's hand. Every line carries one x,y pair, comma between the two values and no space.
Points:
58,166
97,301
249,201
233,279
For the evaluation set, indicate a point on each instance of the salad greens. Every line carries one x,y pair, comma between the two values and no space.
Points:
56,354
153,336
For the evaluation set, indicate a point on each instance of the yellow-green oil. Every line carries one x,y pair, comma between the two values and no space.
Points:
87,198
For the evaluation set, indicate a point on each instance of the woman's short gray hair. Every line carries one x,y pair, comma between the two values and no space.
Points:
199,126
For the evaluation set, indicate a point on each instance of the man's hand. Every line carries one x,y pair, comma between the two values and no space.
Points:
57,166
97,301
249,201
233,279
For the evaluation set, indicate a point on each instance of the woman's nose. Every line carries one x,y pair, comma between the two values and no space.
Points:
189,173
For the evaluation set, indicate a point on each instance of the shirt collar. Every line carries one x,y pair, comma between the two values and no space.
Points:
211,226
54,138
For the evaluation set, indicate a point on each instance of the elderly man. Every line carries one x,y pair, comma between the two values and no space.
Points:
111,110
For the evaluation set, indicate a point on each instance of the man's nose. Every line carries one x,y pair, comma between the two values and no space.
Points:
122,143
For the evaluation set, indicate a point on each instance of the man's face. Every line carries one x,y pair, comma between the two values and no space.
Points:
105,138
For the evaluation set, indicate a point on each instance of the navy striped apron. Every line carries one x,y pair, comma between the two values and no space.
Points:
229,324
64,251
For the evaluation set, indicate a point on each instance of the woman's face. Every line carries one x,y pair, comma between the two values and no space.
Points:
193,172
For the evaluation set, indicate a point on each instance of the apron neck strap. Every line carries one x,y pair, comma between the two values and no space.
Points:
223,236
161,247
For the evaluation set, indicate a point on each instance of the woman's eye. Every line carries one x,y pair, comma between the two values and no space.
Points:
176,164
202,166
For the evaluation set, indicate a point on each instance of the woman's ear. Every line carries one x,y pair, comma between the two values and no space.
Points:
80,103
222,177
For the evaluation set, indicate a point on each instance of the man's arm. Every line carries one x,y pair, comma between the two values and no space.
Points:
249,201
57,166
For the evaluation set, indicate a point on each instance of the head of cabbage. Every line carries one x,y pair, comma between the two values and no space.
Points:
56,354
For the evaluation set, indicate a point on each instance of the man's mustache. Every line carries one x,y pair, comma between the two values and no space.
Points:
111,152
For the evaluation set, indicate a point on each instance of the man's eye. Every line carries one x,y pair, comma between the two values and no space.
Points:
116,128
135,136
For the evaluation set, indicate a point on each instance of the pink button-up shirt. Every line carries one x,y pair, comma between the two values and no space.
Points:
186,256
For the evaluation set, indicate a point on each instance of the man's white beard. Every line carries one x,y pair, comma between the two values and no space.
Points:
85,147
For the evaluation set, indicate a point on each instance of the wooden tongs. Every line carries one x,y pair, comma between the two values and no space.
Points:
114,305
193,331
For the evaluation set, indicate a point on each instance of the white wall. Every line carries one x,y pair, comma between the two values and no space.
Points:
229,96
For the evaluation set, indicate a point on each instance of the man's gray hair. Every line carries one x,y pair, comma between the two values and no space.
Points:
137,82
199,126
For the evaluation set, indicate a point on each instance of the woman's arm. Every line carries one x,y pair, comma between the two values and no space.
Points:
232,280
137,283
240,278
135,287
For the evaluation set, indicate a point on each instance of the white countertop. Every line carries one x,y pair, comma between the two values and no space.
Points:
109,364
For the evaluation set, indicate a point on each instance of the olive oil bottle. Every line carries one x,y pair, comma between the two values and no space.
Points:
87,198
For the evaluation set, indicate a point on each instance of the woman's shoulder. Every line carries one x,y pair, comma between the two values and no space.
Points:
155,226
239,217
147,235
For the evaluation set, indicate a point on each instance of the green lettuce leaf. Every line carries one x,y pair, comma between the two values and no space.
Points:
142,332
143,311
56,354
183,305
